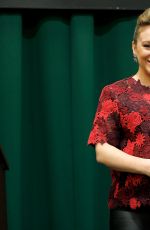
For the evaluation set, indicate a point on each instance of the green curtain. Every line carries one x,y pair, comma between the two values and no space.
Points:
52,69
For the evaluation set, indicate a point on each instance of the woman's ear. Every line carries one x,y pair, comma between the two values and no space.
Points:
134,48
134,51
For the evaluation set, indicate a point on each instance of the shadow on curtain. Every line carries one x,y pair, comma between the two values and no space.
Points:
52,71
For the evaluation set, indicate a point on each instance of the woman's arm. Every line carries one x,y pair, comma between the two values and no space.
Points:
118,160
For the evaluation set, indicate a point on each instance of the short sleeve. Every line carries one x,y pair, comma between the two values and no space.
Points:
106,124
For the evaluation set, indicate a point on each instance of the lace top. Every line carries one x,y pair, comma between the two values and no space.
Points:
122,119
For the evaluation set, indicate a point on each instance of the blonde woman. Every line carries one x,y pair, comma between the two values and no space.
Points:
121,136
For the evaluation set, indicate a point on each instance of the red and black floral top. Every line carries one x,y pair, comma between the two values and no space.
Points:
122,119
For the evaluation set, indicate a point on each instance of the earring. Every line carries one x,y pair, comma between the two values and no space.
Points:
135,58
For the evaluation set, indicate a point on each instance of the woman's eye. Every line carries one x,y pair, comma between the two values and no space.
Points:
147,45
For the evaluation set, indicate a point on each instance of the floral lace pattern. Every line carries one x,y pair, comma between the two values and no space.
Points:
122,119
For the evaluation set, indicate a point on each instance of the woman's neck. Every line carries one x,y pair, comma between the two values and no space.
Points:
144,79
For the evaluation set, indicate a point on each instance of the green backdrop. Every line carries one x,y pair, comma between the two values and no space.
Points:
52,69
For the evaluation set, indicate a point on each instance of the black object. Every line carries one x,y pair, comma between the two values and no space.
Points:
3,209
127,219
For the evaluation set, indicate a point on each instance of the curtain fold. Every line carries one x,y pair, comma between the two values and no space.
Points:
11,103
52,70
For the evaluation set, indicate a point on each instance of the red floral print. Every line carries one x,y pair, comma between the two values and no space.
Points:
108,107
135,96
129,147
134,119
146,97
131,120
116,190
122,119
134,203
133,180
140,138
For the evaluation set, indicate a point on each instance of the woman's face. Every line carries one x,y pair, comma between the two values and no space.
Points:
141,49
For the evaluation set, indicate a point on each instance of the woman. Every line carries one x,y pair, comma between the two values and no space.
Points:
121,136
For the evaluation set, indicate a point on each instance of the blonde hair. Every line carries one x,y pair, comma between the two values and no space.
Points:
143,20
